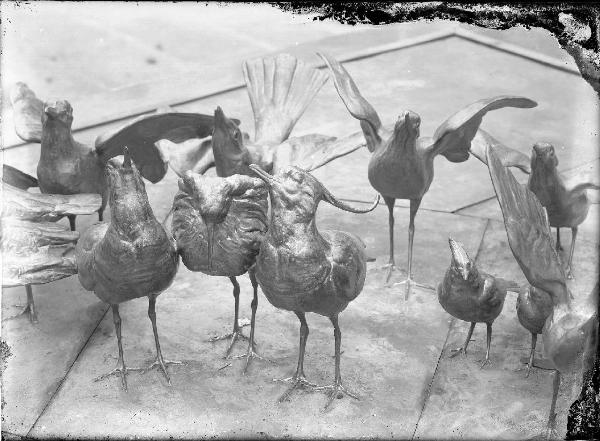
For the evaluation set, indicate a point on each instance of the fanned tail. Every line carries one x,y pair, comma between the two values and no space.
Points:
280,89
28,110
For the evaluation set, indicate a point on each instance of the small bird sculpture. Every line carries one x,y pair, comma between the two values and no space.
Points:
571,326
218,224
401,165
302,269
70,167
471,295
130,257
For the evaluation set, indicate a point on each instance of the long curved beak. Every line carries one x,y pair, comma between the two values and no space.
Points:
459,257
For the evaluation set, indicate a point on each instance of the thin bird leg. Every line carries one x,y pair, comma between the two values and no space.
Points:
101,214
72,222
337,389
390,202
532,353
572,250
551,428
237,329
463,349
299,380
251,353
488,343
28,308
558,246
120,370
159,362
414,207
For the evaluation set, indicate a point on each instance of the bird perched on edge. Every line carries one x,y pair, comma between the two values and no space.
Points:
401,166
301,269
218,224
130,257
471,295
571,328
70,167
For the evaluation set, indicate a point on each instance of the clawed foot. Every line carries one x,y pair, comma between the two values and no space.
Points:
120,371
569,272
160,364
455,352
410,283
249,355
485,363
337,390
389,268
233,336
298,382
27,309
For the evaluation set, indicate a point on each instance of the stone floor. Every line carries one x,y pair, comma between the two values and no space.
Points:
395,351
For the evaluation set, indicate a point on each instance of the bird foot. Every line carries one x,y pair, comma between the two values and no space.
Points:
486,362
569,272
159,363
540,363
410,283
390,267
25,309
337,390
121,371
298,382
455,352
249,356
233,336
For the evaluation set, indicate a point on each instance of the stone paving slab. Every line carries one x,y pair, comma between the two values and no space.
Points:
390,352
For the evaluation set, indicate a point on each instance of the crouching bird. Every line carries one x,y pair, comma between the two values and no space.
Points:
471,295
218,224
302,269
130,257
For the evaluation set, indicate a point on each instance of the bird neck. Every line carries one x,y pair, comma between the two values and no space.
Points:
57,139
130,212
286,226
231,160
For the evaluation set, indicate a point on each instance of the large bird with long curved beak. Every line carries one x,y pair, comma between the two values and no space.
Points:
130,257
70,167
218,224
401,165
302,269
472,295
571,328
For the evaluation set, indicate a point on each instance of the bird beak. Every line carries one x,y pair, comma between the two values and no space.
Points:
266,177
460,258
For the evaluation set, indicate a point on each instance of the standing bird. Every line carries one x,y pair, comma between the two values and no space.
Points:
218,224
302,269
572,325
471,295
130,257
70,167
401,166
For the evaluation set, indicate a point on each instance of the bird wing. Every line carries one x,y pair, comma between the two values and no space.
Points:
17,178
313,151
28,110
453,138
582,178
141,134
508,157
528,231
280,89
356,104
195,154
84,252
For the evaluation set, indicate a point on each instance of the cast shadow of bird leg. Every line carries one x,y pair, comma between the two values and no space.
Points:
29,308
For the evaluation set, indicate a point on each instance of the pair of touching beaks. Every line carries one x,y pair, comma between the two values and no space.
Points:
460,258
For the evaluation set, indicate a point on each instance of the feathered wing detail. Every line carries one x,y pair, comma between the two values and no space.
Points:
84,252
141,134
356,104
453,138
194,154
28,110
313,151
528,232
280,89
508,157
17,178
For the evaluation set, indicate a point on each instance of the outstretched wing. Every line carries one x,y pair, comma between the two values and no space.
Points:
17,178
356,104
453,138
28,110
508,157
313,151
528,231
141,134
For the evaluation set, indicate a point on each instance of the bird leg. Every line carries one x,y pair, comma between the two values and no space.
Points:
72,221
337,389
414,206
391,264
551,428
251,353
237,331
571,251
487,361
100,214
28,308
120,370
558,246
298,380
532,353
463,349
159,362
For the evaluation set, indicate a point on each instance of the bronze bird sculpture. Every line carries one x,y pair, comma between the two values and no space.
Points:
302,269
401,165
572,322
35,250
472,295
70,167
218,224
130,257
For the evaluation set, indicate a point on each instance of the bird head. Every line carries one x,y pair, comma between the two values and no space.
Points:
543,155
227,137
296,190
406,129
461,263
58,111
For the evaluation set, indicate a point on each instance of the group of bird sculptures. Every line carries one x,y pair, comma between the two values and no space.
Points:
222,225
